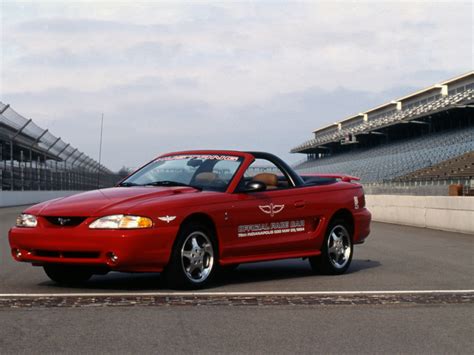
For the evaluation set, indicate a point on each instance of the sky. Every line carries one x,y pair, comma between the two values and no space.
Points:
219,75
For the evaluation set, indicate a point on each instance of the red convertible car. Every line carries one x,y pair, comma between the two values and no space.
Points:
190,214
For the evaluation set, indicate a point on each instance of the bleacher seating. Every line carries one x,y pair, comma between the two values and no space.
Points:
396,159
458,167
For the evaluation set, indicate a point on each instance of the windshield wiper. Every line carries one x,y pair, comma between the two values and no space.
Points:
171,183
128,184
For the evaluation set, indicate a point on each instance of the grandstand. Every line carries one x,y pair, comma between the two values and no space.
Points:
402,139
460,166
31,158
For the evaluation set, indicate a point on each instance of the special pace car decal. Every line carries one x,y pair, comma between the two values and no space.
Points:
253,230
271,209
201,156
167,219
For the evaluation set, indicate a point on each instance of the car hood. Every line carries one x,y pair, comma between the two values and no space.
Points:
96,202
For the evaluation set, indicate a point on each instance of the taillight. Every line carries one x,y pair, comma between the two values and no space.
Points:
362,201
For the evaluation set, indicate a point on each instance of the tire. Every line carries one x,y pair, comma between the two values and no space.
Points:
193,263
67,275
337,250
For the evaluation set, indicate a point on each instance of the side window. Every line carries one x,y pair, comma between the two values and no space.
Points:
268,173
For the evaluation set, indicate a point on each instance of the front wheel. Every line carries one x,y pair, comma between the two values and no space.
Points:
336,253
194,258
68,275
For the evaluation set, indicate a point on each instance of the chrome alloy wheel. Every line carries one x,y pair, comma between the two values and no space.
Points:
197,257
339,246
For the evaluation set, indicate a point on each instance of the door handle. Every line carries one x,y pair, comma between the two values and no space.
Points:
299,204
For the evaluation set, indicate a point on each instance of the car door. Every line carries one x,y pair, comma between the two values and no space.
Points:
269,222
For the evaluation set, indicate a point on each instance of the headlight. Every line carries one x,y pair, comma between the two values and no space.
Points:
26,220
120,221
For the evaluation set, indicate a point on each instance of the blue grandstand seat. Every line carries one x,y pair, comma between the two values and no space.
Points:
392,160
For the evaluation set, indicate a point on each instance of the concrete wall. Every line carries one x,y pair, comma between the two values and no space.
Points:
438,212
18,198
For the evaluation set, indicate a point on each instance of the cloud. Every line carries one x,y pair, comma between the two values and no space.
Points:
136,132
79,26
163,71
144,53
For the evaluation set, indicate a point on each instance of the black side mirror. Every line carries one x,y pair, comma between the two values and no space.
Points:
254,186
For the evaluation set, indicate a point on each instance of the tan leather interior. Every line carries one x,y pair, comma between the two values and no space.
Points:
205,178
271,180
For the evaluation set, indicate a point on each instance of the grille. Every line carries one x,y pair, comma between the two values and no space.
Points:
66,254
47,253
65,221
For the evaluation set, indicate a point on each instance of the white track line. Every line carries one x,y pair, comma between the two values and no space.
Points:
234,294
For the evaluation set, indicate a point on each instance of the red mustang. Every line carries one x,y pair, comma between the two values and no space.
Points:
188,214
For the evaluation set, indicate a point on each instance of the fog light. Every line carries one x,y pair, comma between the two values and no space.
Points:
112,257
17,253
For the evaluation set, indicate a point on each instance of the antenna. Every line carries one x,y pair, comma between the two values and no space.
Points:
100,149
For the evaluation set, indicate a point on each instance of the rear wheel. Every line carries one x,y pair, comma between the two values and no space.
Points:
337,250
68,275
193,261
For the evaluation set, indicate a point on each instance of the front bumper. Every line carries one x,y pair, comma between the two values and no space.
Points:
140,250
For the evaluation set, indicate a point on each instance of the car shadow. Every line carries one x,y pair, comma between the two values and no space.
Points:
284,269
244,274
362,264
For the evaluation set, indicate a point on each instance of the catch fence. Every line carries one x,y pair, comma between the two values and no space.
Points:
32,158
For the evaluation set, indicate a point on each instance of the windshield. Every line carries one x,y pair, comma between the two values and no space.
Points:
206,172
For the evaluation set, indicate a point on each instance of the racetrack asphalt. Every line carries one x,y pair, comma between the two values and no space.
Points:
394,258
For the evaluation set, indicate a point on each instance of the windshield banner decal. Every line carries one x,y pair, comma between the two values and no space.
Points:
200,156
